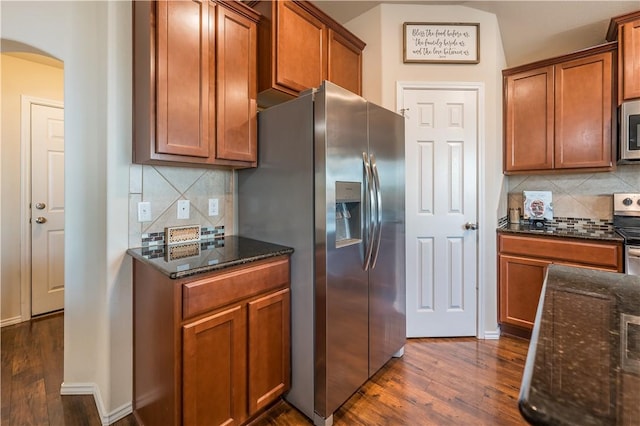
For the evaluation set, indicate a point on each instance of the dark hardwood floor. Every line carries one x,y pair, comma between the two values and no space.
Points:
461,381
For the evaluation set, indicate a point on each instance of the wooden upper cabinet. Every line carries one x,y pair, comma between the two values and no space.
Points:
630,60
558,113
300,46
626,29
529,120
237,87
300,49
195,83
583,112
345,62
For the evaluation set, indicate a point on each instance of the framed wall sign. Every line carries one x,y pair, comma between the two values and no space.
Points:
449,43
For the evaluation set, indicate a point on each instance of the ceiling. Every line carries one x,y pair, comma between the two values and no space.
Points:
531,30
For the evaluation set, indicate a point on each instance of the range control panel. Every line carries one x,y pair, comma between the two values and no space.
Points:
626,204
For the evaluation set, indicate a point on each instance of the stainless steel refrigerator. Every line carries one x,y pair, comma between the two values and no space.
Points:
330,183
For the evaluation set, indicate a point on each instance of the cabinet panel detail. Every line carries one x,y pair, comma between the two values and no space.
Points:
214,369
344,63
529,120
301,43
520,286
269,349
583,112
226,288
183,78
237,87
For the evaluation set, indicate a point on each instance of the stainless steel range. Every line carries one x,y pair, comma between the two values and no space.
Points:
626,220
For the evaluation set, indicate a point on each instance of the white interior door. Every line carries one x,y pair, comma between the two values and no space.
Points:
47,209
441,138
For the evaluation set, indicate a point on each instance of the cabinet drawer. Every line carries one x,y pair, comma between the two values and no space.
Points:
214,292
600,254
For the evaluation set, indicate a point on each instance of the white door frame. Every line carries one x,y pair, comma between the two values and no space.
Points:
25,198
480,171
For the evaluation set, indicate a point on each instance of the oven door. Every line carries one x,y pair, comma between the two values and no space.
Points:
632,260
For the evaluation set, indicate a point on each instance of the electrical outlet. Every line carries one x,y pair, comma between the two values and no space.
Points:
144,211
183,209
213,207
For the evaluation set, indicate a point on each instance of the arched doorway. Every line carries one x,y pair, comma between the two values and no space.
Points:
32,116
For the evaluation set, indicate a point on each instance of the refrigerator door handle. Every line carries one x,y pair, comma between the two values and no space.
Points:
370,221
378,206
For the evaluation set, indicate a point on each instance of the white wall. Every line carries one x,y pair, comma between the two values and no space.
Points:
381,27
93,39
19,77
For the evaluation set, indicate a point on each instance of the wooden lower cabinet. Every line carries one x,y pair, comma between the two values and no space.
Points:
522,267
212,349
214,369
269,349
520,286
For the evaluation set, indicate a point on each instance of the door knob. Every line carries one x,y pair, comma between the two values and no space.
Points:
41,219
40,206
470,226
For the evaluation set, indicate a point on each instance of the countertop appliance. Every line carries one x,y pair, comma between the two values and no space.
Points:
626,221
630,131
330,184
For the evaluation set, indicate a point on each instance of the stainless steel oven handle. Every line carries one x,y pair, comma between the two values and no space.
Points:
633,251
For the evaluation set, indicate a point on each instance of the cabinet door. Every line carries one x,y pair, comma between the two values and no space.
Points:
344,63
583,110
183,72
301,58
269,349
236,83
630,63
529,120
520,284
214,369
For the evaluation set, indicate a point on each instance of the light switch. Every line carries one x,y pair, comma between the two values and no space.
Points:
213,207
144,211
183,209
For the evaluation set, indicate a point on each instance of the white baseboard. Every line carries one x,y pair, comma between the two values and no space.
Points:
92,389
10,321
492,335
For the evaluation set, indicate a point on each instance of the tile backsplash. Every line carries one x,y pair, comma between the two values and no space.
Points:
163,186
580,195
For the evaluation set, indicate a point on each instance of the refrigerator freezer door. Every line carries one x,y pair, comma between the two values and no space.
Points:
341,284
387,324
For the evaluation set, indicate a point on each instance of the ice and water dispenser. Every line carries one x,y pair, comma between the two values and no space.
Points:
348,204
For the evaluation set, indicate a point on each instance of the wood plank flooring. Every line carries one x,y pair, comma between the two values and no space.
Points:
461,381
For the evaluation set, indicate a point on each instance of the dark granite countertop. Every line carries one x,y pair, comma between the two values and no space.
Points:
597,232
184,260
583,364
